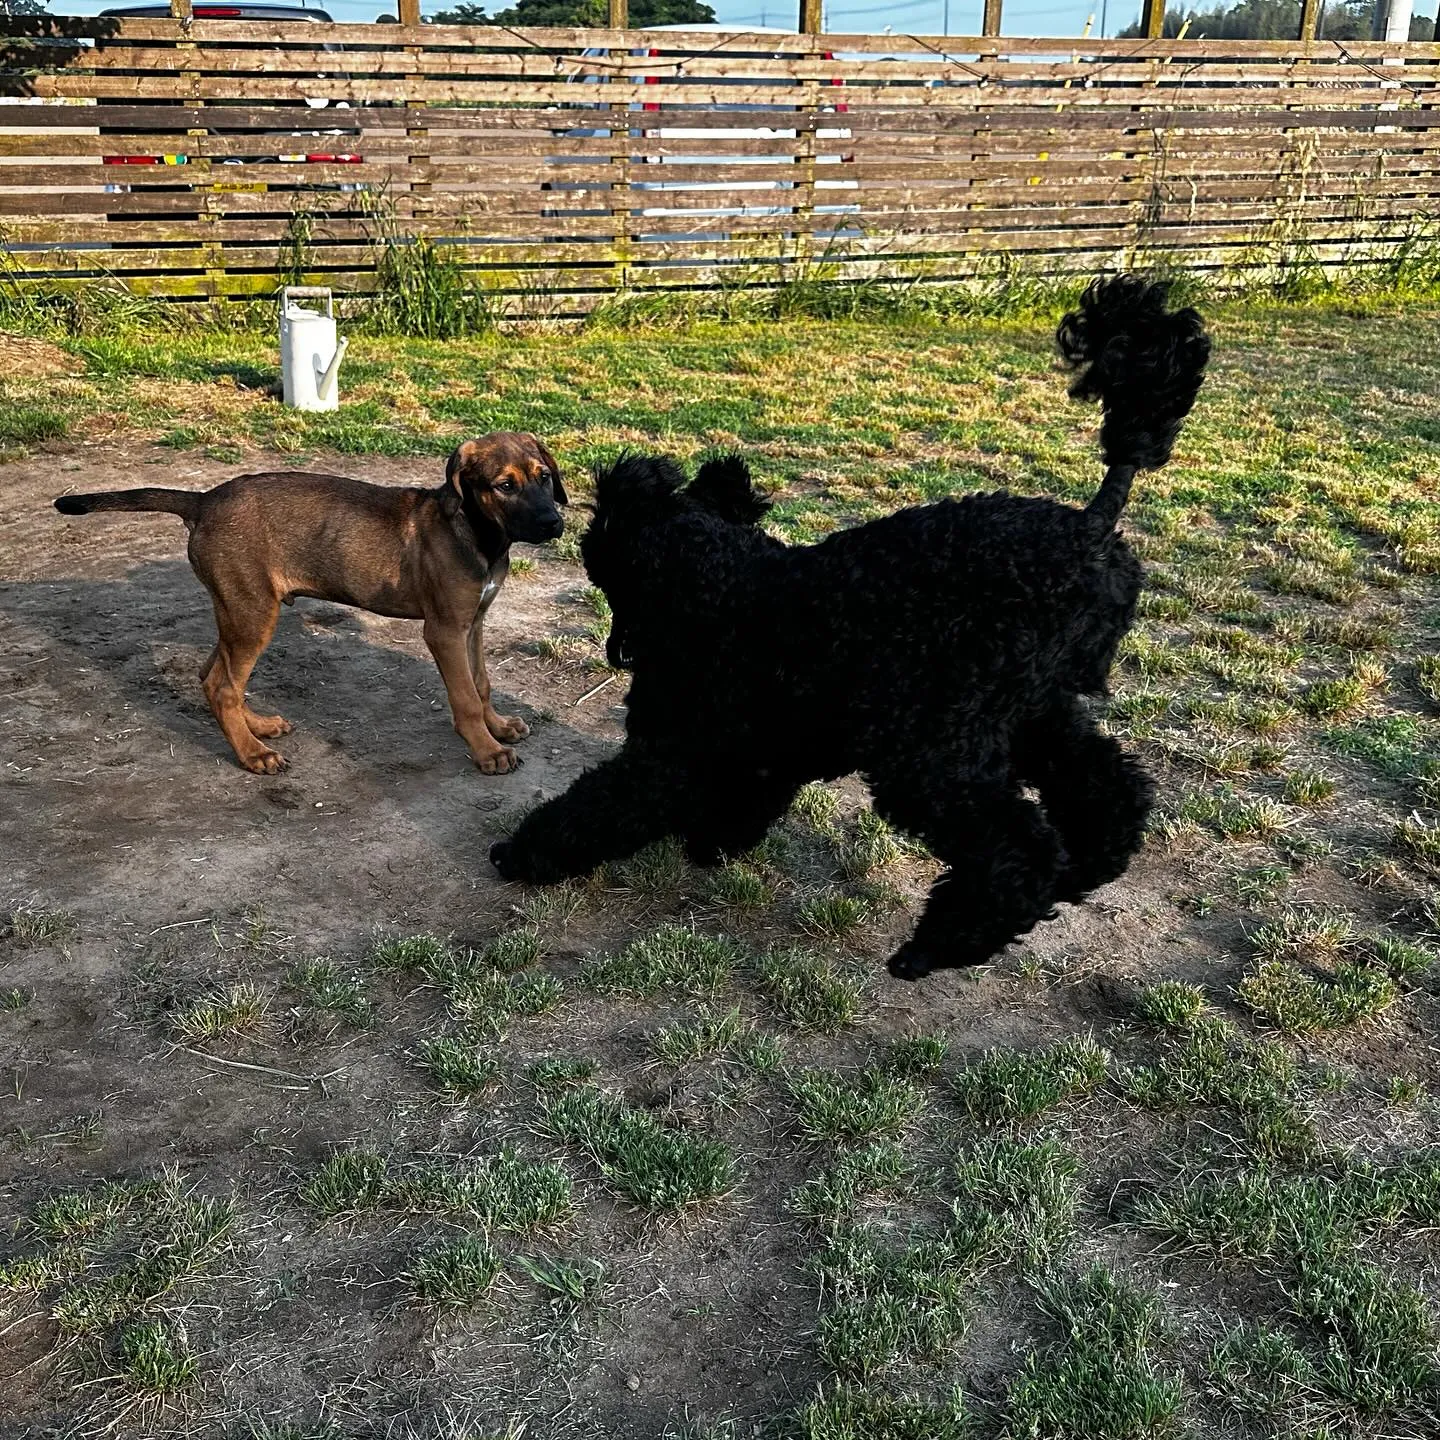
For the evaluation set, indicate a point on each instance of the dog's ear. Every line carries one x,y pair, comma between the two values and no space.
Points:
452,494
548,460
637,480
723,486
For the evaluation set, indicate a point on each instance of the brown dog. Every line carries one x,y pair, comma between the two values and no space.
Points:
436,555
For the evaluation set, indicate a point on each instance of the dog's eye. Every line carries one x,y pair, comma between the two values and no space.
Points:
507,487
545,476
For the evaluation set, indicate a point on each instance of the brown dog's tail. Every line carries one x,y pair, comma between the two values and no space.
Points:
184,503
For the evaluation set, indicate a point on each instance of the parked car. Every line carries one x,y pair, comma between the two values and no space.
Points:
704,155
301,146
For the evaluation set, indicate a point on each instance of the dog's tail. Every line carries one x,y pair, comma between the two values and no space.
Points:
184,503
1145,365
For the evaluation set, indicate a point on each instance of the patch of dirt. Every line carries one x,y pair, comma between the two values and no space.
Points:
22,357
120,804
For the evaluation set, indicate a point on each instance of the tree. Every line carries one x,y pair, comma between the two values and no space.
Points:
1271,20
23,7
565,14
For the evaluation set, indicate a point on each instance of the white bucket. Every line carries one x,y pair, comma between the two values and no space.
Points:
310,355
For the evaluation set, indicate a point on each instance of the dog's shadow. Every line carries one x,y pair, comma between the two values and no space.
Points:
327,671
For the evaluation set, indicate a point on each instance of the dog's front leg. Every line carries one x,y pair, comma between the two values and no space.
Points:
502,727
609,813
447,643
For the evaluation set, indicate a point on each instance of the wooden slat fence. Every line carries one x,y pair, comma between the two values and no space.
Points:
206,159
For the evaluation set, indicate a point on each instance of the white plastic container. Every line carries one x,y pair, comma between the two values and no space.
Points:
310,354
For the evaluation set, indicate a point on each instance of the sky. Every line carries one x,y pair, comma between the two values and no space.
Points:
917,17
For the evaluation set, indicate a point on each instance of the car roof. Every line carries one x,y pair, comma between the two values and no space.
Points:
243,10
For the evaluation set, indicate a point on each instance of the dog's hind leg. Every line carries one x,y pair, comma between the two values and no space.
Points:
609,813
1002,860
245,631
1095,794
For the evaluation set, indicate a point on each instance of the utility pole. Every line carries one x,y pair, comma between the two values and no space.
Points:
1392,20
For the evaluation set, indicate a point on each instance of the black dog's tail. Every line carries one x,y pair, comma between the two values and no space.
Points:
184,503
1145,365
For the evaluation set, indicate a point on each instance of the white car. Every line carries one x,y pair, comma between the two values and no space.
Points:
705,155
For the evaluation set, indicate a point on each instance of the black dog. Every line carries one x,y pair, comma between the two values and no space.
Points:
941,652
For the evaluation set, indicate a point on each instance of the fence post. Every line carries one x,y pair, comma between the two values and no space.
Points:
619,14
409,12
1153,19
990,24
180,9
1309,19
810,21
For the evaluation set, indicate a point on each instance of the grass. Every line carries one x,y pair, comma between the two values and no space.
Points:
457,1066
1279,993
456,1273
673,957
808,989
502,1192
29,923
324,986
1010,1085
153,1358
1170,1004
1212,1066
859,1105
832,1196
228,1010
734,1129
712,1033
1100,1377
662,1169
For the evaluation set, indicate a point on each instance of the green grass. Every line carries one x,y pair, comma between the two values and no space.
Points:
832,916
228,1010
809,989
1170,1004
846,1412
1258,1215
153,1358
501,1192
1281,994
739,886
1213,1066
326,987
110,1263
663,1169
831,1196
457,1066
1009,1085
673,957
1100,1378
918,1212
853,1105
454,1274
711,1033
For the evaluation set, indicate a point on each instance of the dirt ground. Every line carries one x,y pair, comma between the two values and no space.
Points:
121,806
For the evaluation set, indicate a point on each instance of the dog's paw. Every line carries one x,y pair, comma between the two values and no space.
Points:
266,762
910,962
267,727
502,854
508,727
500,761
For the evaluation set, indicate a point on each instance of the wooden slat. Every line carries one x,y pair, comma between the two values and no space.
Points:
1064,153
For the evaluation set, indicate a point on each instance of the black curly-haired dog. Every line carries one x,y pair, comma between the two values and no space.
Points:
940,652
